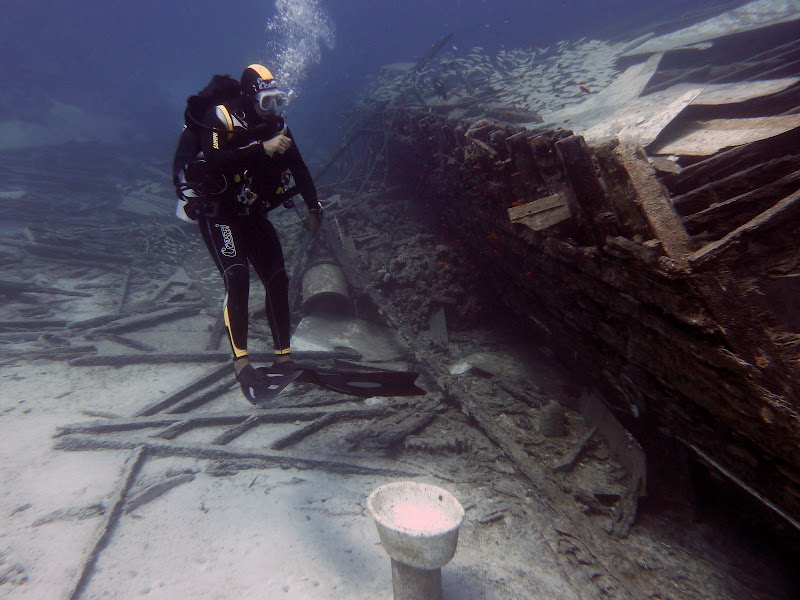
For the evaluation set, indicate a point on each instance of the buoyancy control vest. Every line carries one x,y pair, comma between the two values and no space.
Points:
221,89
195,181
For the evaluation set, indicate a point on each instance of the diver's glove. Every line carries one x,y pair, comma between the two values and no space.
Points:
280,144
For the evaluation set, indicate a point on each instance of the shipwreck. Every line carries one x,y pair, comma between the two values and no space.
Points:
639,214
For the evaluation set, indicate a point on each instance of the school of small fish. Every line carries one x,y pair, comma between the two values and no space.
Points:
535,80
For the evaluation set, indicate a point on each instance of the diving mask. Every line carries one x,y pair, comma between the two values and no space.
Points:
271,101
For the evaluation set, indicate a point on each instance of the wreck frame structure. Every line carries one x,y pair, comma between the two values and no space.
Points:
656,254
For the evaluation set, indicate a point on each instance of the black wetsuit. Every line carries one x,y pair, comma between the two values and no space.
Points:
237,235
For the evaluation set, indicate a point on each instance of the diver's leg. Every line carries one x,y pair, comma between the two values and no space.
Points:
264,252
224,238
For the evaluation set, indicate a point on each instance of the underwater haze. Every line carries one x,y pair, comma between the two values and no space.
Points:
121,71
540,253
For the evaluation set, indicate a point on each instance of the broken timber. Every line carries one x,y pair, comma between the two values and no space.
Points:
549,494
541,214
253,459
121,360
187,421
112,512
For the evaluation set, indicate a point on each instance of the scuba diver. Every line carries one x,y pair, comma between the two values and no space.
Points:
237,160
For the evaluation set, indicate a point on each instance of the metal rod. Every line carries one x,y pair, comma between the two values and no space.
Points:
711,462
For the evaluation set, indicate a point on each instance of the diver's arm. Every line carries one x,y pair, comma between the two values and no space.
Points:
302,176
215,144
184,154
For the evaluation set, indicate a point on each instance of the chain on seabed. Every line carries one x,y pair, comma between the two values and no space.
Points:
300,30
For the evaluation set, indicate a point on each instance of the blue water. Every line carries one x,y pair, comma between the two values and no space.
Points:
138,61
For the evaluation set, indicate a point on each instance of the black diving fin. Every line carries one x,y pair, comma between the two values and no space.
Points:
365,384
274,382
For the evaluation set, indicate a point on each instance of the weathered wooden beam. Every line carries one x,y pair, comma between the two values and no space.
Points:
721,218
746,180
203,397
144,321
19,324
660,215
18,287
59,353
732,161
519,150
728,303
174,430
547,491
94,322
122,340
622,195
626,249
121,360
234,432
787,211
624,515
244,458
113,510
264,415
156,490
186,390
542,214
123,295
589,206
330,419
390,431
570,459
